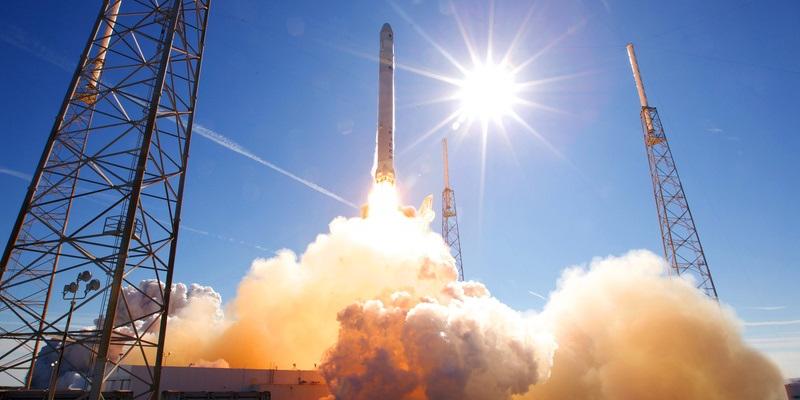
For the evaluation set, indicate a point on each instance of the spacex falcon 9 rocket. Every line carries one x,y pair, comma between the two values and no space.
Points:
383,168
383,171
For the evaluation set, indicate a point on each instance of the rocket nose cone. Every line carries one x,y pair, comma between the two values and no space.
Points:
386,28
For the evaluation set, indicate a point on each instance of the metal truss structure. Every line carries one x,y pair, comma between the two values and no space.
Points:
106,198
682,247
450,216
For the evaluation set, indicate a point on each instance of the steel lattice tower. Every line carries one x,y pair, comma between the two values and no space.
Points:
450,217
106,198
682,247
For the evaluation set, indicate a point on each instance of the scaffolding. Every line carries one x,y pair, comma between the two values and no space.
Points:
106,198
450,232
681,243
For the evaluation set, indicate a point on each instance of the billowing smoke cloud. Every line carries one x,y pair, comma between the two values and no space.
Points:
192,309
286,306
140,304
462,345
392,285
616,329
375,304
625,331
75,364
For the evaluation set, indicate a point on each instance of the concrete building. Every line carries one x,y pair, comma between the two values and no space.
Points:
194,382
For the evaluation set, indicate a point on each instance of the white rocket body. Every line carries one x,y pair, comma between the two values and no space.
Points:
383,171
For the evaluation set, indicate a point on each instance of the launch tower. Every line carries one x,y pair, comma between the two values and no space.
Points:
105,203
450,217
682,247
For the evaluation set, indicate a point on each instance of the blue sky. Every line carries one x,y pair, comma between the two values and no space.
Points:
290,83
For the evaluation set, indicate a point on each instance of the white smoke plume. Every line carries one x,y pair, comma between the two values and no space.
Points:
192,309
391,279
75,365
286,307
375,304
463,345
625,331
141,302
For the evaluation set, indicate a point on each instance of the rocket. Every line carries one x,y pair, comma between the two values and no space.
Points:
383,171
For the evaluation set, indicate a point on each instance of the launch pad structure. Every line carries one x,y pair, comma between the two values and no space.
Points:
450,232
682,248
106,199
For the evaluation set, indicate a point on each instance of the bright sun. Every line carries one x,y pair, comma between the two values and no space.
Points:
487,92
490,89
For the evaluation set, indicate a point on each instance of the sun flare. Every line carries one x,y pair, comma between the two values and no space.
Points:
487,92
490,93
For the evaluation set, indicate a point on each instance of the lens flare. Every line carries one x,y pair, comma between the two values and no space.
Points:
488,92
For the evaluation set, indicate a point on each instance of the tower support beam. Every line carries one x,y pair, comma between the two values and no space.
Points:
106,198
681,243
450,217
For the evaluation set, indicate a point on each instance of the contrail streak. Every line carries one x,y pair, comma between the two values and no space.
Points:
15,174
766,308
20,39
532,293
235,147
17,38
224,238
773,323
27,178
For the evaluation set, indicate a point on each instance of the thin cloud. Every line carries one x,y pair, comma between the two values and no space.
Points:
773,323
237,148
766,308
15,174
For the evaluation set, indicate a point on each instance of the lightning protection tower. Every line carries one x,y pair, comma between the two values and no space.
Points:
682,247
450,217
106,198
